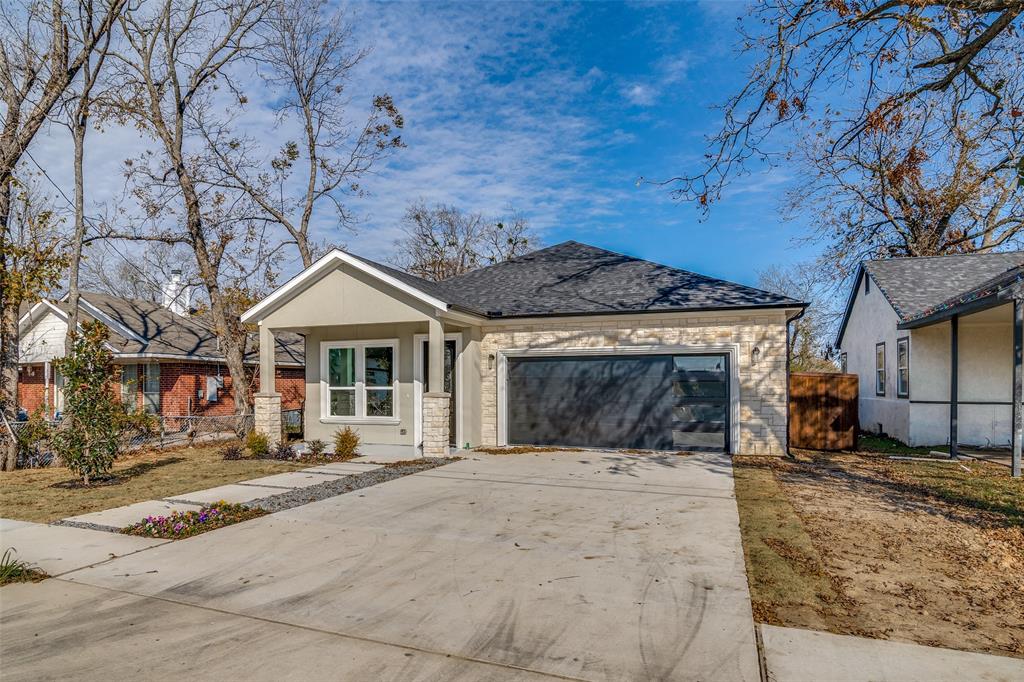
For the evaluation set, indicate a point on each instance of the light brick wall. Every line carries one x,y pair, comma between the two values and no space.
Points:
762,387
436,407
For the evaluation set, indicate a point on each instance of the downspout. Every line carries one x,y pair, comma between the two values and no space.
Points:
788,354
954,372
46,390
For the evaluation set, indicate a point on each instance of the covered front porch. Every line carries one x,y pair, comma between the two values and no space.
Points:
384,359
973,344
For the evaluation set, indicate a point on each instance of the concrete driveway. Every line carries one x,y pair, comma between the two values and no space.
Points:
576,565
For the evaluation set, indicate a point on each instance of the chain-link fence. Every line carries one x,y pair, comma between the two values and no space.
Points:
34,448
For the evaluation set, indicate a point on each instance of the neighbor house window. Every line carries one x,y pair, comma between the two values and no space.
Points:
359,379
130,386
151,387
903,368
843,367
880,369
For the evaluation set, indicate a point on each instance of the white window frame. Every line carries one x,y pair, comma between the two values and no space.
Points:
902,390
359,347
130,387
880,370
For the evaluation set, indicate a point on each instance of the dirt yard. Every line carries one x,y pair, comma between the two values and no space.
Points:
39,494
926,552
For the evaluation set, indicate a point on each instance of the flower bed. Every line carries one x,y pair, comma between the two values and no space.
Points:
186,524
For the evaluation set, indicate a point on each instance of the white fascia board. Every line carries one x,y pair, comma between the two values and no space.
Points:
333,258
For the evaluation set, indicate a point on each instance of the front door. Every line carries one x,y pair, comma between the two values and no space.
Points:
449,381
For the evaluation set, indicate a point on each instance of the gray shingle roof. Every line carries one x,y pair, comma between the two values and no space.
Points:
158,331
916,285
576,279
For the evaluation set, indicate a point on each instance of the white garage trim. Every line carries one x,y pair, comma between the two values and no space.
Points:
731,350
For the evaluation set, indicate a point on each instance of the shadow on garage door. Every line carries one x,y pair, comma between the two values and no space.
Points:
651,402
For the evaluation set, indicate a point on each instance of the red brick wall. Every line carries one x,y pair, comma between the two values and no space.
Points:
31,387
180,383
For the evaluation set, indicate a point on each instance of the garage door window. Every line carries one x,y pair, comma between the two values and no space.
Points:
359,380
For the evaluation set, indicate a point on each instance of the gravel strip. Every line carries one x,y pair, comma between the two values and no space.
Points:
344,484
86,525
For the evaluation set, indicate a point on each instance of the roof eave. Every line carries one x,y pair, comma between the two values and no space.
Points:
655,311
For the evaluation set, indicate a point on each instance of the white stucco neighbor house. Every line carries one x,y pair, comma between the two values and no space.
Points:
936,343
570,345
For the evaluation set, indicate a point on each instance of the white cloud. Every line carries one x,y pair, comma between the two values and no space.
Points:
640,94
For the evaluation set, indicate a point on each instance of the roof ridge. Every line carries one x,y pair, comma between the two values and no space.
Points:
944,255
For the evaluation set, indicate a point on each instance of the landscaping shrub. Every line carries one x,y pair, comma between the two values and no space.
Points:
257,444
233,451
283,451
346,443
89,435
17,571
316,448
186,524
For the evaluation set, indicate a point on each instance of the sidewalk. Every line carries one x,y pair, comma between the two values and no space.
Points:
795,655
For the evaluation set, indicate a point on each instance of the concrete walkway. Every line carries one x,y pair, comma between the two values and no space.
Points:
794,655
584,565
59,549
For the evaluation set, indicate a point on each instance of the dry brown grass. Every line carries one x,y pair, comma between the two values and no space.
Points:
524,450
858,544
35,494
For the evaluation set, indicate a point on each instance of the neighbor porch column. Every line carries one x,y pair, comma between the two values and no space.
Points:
436,403
267,406
954,370
1018,382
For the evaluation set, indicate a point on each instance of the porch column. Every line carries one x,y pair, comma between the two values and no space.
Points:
267,403
1018,382
954,340
436,403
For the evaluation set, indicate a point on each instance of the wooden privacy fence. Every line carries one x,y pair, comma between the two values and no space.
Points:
823,411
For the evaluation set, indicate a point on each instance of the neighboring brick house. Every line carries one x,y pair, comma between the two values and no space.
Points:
170,362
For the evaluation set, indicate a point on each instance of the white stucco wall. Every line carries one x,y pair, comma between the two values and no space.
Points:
985,374
873,321
43,341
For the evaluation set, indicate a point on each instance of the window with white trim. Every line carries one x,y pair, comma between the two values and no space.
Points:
903,367
150,387
359,380
880,369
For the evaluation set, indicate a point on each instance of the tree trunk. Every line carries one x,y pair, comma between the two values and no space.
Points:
8,354
78,133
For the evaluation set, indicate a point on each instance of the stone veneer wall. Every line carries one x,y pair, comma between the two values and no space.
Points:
436,408
762,387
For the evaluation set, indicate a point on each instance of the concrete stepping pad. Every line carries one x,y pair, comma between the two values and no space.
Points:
119,517
233,492
59,549
291,480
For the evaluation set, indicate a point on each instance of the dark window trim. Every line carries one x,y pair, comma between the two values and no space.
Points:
880,370
906,392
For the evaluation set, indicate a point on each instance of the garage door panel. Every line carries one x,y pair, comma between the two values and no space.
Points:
643,401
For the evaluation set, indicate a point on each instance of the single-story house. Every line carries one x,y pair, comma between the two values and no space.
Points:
936,343
570,345
171,363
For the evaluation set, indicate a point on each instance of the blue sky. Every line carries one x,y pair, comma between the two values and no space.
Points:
553,109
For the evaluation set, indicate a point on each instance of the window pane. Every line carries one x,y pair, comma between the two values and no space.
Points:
343,402
380,403
129,385
341,367
152,384
901,354
379,366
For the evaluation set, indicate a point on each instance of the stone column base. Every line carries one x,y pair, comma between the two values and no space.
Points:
267,408
436,411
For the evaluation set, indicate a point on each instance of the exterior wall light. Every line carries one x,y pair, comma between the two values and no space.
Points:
490,361
755,355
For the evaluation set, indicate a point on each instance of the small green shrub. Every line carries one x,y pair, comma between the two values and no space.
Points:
17,571
232,451
282,451
346,443
257,444
316,448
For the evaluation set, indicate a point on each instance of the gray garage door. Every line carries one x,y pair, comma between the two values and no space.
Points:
657,402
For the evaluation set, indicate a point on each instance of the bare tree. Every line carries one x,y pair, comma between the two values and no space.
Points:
177,58
33,263
810,336
443,241
139,274
842,73
78,109
309,53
